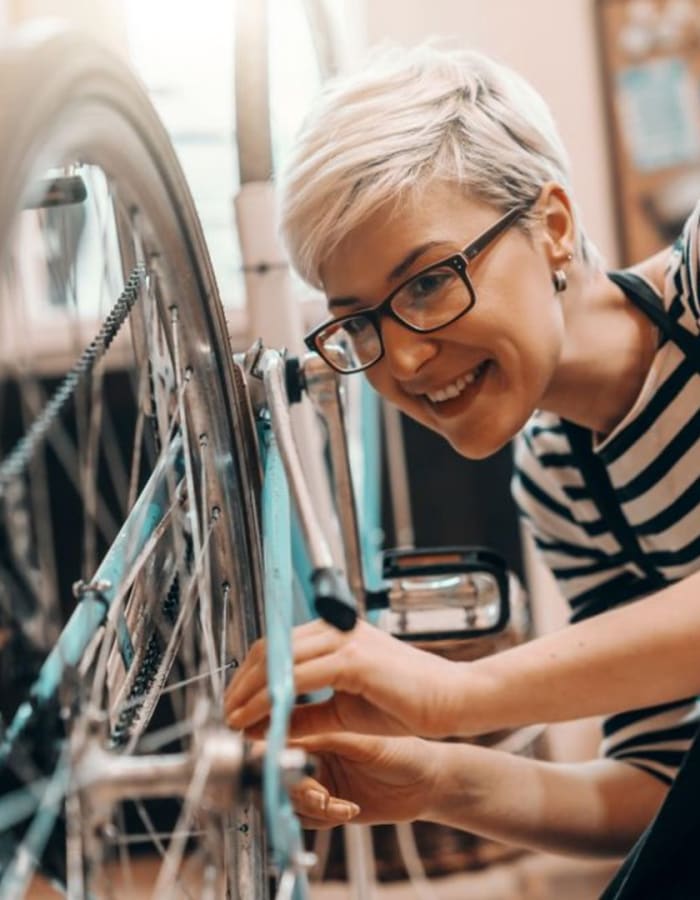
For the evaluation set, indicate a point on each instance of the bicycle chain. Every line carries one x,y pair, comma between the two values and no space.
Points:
147,671
18,459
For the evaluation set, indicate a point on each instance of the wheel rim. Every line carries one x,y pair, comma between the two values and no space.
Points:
179,382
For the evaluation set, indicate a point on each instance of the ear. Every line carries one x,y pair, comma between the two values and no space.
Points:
558,226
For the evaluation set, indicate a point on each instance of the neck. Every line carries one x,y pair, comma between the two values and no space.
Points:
606,357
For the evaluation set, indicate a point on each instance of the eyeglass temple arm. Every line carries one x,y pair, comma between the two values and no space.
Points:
493,231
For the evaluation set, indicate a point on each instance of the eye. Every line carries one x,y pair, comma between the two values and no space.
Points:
429,284
356,328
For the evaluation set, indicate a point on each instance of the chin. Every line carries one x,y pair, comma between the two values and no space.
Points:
476,448
469,444
479,442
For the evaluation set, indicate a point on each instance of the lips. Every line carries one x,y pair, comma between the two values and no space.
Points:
459,385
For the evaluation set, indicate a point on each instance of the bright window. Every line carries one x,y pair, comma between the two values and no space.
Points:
184,53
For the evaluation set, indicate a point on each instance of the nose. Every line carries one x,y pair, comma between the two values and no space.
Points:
405,351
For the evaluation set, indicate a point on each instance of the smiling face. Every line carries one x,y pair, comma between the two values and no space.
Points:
477,380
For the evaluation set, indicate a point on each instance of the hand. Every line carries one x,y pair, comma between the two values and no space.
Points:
381,685
364,779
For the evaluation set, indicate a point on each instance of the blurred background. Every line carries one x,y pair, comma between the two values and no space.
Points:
232,81
621,77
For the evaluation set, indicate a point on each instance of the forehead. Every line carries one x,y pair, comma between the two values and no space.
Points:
364,259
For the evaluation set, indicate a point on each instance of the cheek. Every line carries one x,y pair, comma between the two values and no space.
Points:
542,346
385,385
525,327
382,382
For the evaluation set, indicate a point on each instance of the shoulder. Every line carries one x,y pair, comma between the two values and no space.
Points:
542,440
542,460
682,275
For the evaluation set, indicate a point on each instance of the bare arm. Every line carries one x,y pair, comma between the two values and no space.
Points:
591,809
597,808
638,655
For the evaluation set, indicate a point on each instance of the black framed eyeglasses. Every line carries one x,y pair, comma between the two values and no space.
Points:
433,298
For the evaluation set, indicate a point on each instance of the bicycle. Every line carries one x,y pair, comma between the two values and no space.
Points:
158,519
450,600
167,557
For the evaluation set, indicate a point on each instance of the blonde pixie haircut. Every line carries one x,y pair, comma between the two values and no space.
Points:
405,119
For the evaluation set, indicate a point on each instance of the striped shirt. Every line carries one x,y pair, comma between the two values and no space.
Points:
652,458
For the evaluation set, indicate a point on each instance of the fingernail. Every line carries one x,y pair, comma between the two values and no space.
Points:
317,799
342,809
235,718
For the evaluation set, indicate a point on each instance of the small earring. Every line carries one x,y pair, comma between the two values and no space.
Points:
559,280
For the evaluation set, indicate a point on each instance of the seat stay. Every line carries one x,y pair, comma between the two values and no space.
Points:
112,580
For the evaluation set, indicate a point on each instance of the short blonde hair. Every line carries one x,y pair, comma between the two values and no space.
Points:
404,119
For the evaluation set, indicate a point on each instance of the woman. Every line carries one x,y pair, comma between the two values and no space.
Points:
429,198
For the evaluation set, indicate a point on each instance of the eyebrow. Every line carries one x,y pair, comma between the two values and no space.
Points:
396,272
410,258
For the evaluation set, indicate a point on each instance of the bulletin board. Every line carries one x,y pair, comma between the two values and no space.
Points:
650,57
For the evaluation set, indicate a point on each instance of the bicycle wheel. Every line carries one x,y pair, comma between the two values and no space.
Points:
94,207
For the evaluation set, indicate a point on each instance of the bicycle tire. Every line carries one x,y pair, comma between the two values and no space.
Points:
66,100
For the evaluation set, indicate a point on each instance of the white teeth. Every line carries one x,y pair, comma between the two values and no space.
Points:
455,389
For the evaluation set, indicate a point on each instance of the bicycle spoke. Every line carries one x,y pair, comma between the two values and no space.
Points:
144,668
185,612
152,836
169,734
19,873
167,876
206,619
189,475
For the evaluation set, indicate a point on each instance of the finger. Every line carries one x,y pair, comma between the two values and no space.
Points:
312,799
314,718
309,799
262,706
309,796
310,640
336,812
357,748
308,783
309,676
344,712
249,680
256,749
250,675
339,810
258,732
255,659
310,824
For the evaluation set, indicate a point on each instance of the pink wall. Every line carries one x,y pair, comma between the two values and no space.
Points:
103,19
553,44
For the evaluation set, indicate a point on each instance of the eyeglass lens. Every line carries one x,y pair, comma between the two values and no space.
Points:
430,300
351,344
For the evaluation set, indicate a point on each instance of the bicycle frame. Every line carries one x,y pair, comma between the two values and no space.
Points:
104,594
284,486
98,601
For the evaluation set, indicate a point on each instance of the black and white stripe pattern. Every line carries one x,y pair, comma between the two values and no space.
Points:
652,458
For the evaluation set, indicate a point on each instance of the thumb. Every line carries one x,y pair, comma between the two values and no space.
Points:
306,719
358,748
315,718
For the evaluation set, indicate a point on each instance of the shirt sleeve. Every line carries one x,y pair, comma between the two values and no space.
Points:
683,274
594,576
